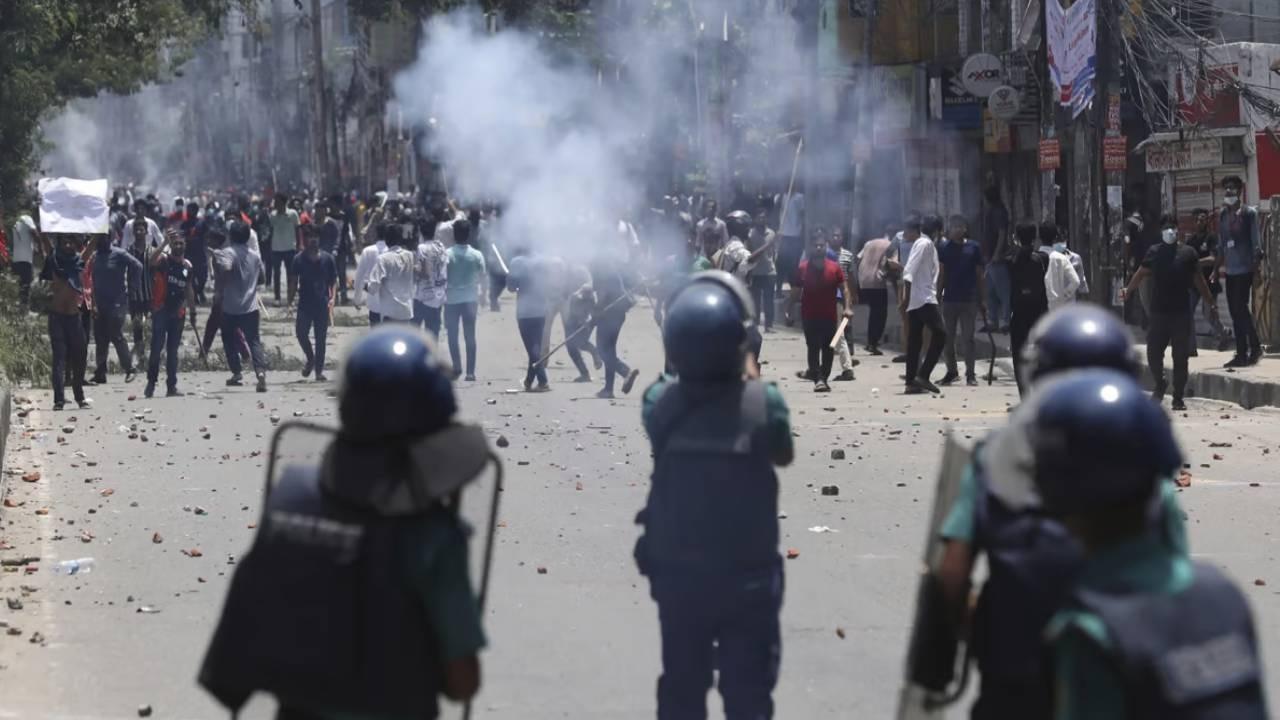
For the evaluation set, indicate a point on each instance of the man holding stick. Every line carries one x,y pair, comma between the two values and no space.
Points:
815,287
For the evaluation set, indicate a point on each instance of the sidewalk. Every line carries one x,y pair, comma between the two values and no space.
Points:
1248,387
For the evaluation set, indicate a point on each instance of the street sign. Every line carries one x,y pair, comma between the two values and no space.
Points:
1115,153
1004,103
982,74
1050,154
1185,155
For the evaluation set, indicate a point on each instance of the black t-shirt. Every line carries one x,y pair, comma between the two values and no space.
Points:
1173,269
315,277
1026,278
1205,245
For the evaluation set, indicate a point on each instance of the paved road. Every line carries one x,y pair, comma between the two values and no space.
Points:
580,640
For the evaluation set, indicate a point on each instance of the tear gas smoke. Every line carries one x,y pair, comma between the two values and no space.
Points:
567,151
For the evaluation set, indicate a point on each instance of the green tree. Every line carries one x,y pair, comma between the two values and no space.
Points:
52,51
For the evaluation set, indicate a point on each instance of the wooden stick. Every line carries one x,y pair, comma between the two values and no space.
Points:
844,322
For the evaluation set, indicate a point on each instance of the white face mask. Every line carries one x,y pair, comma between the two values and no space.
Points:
1231,200
1170,236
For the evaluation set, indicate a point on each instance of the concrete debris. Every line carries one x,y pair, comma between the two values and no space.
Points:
837,454
830,490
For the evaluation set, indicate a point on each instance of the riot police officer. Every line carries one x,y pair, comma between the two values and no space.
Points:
710,543
1146,633
1031,558
355,599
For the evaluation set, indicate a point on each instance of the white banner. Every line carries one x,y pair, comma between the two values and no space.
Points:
68,205
1185,155
1072,40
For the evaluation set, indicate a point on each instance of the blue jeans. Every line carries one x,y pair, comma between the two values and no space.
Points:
998,288
246,324
166,336
725,623
464,314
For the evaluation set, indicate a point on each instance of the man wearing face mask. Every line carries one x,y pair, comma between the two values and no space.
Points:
1175,272
1241,255
1061,280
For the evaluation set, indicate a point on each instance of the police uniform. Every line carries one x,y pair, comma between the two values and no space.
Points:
354,600
1145,632
710,542
710,547
1032,560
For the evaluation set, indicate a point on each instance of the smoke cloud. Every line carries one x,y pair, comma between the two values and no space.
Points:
568,148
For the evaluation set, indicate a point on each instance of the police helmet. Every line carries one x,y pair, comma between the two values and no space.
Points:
394,385
708,323
1079,335
738,223
1099,441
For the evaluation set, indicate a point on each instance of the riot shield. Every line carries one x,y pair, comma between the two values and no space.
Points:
933,651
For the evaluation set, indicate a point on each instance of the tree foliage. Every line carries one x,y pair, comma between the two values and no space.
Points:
53,51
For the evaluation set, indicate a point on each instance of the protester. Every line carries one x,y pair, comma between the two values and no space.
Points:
873,289
1205,243
172,297
1061,281
711,220
708,247
238,269
920,302
364,266
1028,296
112,268
962,287
391,279
761,241
22,256
139,293
528,279
1239,233
64,269
1175,272
195,229
613,280
152,229
283,241
313,278
463,269
430,272
216,239
817,282
791,229
582,300
996,255
844,347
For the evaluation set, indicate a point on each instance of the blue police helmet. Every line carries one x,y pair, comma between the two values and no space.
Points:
1099,441
707,327
1079,335
394,385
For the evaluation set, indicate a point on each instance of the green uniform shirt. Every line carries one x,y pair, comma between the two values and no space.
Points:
960,519
1087,683
777,415
439,573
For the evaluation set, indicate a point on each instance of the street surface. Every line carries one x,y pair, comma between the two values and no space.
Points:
581,639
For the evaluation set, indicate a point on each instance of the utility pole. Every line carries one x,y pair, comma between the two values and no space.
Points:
864,132
320,124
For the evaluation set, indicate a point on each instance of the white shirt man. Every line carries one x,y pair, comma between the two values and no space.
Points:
391,282
364,266
154,237
444,231
793,218
1061,280
921,271
431,273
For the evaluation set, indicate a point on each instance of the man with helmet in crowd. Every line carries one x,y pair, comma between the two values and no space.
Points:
1146,632
997,512
710,543
355,598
